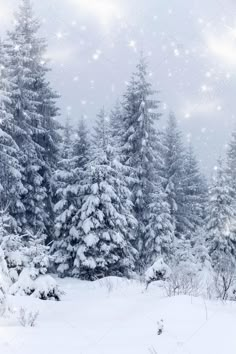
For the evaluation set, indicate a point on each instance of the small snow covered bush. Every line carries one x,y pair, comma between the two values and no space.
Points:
43,287
183,280
225,280
4,282
186,266
206,279
25,283
158,271
232,294
27,261
28,318
46,288
12,245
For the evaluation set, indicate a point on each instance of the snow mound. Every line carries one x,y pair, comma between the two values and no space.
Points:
113,284
25,283
46,288
43,287
158,271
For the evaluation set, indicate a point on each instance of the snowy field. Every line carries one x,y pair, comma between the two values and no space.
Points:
115,316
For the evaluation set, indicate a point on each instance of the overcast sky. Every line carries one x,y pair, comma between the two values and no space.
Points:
94,46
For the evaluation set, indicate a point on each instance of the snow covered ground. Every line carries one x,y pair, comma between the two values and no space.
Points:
115,316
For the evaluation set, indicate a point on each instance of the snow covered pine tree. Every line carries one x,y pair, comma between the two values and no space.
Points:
141,151
103,225
220,227
71,170
33,109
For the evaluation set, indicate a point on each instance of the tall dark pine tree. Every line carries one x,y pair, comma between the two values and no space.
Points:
231,162
220,221
11,188
195,193
173,174
101,131
140,150
81,146
184,184
116,125
66,145
189,244
34,110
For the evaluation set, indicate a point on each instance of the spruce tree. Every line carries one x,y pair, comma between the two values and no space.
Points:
71,170
220,220
159,237
141,151
81,146
195,194
11,188
103,226
34,110
174,173
66,144
186,191
101,132
116,125
231,161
